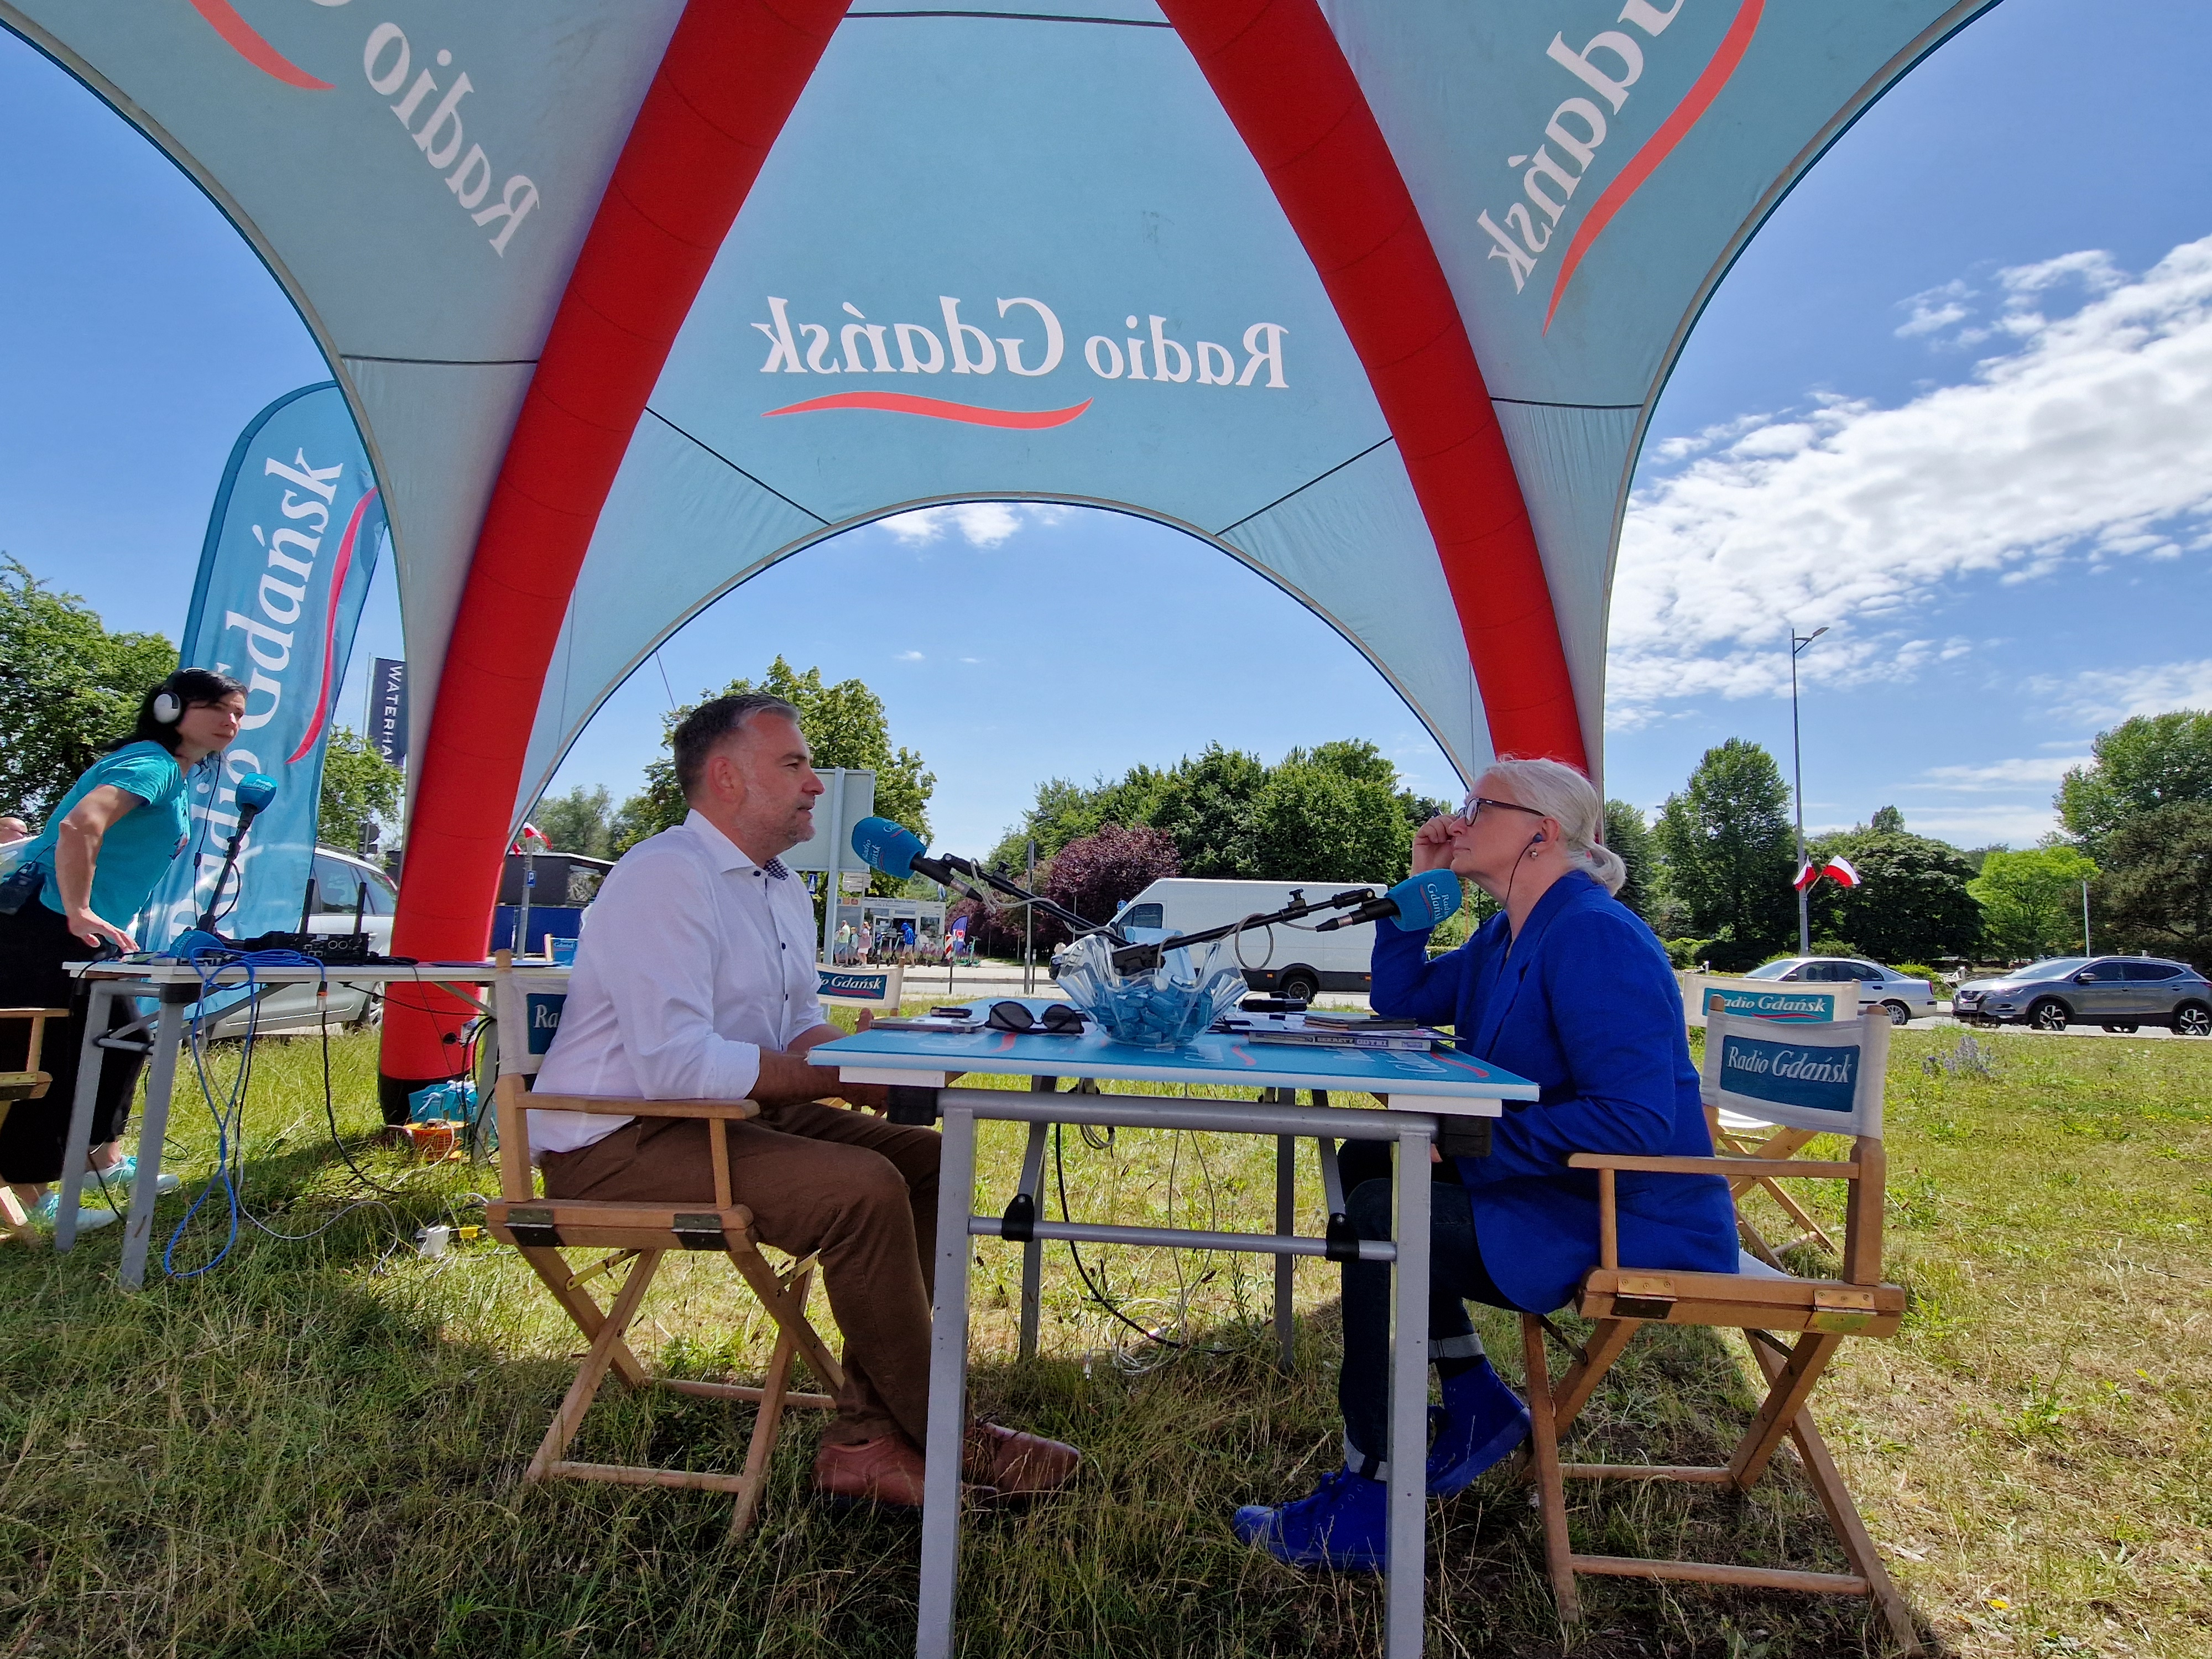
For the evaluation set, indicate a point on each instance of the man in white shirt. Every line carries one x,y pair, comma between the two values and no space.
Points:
696,981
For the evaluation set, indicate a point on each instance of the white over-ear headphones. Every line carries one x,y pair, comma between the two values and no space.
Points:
168,709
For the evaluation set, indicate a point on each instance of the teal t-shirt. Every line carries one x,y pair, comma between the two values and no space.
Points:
138,845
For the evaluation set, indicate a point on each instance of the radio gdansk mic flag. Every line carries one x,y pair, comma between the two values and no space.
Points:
295,536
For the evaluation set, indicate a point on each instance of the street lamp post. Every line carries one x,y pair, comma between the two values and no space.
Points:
1798,644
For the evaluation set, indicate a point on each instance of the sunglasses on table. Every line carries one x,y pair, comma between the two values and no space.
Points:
1058,1020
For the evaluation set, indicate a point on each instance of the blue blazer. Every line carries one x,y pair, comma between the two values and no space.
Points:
1585,1005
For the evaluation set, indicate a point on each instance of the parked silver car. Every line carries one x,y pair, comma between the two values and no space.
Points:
2121,993
1879,987
342,882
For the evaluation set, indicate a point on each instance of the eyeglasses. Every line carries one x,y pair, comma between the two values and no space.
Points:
1058,1020
1472,809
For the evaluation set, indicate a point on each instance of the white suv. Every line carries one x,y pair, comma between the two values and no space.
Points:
1879,987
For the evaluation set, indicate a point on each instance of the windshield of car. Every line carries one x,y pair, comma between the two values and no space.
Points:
1772,969
2056,968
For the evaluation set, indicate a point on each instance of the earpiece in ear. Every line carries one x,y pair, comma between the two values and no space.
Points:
167,708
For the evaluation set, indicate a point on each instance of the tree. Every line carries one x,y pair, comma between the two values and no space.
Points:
71,688
1628,835
844,725
2154,895
581,821
2032,902
358,785
1311,821
1728,845
1913,902
1095,875
2139,766
1888,820
1207,809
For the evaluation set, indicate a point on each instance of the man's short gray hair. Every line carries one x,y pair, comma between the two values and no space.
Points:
694,740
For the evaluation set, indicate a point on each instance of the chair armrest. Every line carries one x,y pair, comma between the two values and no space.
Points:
34,1013
1719,1166
615,1106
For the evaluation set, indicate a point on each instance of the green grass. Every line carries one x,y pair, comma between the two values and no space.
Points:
315,1449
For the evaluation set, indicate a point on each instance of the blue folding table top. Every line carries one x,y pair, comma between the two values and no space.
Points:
1442,1074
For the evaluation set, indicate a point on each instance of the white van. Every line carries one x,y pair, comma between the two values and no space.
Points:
1286,960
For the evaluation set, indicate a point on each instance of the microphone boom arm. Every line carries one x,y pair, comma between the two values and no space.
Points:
1143,959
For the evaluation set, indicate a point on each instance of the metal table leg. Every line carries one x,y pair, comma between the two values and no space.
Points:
79,1143
160,1084
948,1388
1409,1398
1287,1217
1033,1251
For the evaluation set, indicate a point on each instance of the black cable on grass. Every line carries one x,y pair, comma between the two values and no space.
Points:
1059,1178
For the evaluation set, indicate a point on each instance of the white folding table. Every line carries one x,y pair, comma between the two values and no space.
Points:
175,987
1440,1093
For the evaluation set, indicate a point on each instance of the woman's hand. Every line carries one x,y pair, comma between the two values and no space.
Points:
1432,844
95,933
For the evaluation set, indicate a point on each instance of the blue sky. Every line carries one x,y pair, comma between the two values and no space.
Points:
1953,404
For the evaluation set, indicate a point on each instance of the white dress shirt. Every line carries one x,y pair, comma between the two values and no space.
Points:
697,960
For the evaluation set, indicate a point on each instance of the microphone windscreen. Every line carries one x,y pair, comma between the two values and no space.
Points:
891,847
256,790
1425,900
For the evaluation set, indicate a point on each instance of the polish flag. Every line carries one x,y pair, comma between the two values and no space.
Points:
1807,875
1840,872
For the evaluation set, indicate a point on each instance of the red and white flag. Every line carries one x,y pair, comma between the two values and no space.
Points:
1838,870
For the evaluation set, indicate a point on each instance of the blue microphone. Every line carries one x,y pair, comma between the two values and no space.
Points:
897,851
255,791
1416,904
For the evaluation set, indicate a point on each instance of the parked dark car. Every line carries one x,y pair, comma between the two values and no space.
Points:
2121,993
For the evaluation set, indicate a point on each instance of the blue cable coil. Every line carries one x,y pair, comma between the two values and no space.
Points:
208,961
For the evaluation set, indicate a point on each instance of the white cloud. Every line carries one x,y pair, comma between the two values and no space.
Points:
980,524
2100,698
2086,440
1935,309
908,656
2021,824
2003,775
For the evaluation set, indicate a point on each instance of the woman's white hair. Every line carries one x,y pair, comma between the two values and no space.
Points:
1562,794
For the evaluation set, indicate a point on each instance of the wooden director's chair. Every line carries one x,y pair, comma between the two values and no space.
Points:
1823,1078
29,1084
1742,1135
527,1007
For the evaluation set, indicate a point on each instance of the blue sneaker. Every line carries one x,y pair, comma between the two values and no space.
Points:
1481,1422
1343,1525
115,1181
48,1208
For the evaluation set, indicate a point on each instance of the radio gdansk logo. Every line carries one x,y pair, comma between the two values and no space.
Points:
386,61
1609,64
861,347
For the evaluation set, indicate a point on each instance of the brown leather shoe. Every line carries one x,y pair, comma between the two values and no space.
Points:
1017,1464
884,1470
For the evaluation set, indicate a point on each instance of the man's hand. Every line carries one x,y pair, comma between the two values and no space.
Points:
95,933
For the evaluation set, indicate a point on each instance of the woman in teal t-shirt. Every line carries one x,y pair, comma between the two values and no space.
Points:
105,845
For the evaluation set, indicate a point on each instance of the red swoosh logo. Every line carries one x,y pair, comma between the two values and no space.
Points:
330,625
935,408
1660,144
239,35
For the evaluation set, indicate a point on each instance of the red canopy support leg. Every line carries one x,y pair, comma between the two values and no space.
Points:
733,70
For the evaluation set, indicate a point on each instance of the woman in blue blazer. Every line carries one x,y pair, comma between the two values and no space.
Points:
1570,989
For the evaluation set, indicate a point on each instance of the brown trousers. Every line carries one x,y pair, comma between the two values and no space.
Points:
861,1191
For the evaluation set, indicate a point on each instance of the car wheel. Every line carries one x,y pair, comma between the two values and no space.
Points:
2050,1015
2192,1019
1298,984
1898,1012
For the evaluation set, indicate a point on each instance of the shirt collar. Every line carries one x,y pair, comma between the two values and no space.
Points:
727,854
